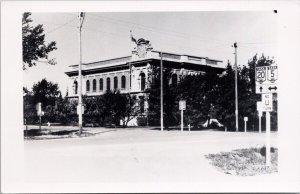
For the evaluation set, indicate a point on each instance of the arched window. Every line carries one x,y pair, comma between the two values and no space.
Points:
174,79
108,83
143,81
115,82
101,84
94,85
87,85
75,87
123,82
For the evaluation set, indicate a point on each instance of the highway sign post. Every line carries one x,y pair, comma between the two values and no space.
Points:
182,106
268,134
266,78
259,109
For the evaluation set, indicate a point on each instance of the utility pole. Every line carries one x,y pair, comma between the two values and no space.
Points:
236,90
161,94
79,108
129,64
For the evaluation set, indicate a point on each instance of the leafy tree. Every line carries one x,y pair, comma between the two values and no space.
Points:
110,108
45,92
246,94
33,40
226,102
131,109
169,98
29,110
154,96
200,94
211,96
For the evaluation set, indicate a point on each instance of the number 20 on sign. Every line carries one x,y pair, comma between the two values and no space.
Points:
260,74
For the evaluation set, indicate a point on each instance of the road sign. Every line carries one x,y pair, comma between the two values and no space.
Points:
245,118
267,102
38,106
266,78
182,105
81,109
272,74
263,89
39,109
260,74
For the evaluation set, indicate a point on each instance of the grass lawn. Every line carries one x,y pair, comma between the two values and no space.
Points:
36,134
244,162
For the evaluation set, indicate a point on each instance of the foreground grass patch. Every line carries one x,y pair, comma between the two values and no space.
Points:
36,134
244,162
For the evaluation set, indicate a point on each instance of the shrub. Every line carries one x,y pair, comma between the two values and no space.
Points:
142,121
263,151
32,132
64,132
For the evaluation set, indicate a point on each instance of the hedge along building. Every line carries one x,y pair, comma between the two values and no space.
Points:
130,74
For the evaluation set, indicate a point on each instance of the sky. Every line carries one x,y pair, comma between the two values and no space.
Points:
107,35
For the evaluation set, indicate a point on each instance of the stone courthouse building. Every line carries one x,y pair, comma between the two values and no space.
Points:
129,74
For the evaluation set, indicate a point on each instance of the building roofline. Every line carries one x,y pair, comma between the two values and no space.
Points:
172,53
101,61
129,56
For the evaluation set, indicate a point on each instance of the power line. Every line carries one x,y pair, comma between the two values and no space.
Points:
164,32
256,43
159,31
216,47
54,29
211,47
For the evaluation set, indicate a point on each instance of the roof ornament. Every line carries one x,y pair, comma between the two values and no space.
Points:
141,46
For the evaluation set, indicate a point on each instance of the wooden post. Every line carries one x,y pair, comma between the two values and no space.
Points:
181,120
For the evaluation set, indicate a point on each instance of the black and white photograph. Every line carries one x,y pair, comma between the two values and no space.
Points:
164,96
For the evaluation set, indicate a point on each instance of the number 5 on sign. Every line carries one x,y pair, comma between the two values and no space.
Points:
272,73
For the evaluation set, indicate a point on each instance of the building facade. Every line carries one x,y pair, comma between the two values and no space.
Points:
130,74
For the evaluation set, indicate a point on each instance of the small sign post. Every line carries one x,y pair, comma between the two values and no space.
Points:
25,127
39,113
182,106
245,120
